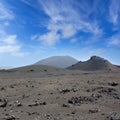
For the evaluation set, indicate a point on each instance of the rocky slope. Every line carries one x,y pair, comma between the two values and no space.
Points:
94,63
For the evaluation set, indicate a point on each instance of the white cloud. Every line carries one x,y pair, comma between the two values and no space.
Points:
9,48
97,51
34,37
65,30
2,33
5,14
66,20
10,40
6,23
114,11
30,3
114,41
73,40
9,44
26,2
68,31
50,38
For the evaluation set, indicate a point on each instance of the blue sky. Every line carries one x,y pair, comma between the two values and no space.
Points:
31,30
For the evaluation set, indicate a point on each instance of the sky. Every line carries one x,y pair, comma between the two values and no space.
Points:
31,30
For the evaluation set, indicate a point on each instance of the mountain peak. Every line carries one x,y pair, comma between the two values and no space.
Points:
94,63
58,61
96,58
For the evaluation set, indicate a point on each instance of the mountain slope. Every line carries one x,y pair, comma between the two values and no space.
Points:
58,61
94,63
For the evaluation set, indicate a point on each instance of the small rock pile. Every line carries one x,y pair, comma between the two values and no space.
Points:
11,117
66,90
113,83
107,90
3,102
82,100
36,103
114,116
95,110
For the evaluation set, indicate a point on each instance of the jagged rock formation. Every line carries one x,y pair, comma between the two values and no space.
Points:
94,63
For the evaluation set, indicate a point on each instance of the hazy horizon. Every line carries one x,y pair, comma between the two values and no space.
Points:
34,30
8,67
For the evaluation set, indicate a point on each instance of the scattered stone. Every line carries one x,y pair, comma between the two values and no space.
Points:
26,85
48,116
12,117
113,83
95,110
88,90
57,97
23,96
86,73
36,103
97,95
73,112
102,113
39,93
11,86
65,105
51,93
104,89
18,103
66,90
3,103
2,89
82,100
33,113
109,91
114,116
43,103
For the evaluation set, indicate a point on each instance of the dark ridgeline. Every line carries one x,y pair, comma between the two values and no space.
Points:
94,63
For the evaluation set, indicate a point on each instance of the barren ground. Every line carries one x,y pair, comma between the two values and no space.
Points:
59,95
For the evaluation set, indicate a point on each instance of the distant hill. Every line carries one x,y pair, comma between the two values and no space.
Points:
5,68
35,71
35,68
58,61
94,63
118,66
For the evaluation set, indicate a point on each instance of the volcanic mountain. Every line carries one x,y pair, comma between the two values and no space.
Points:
94,63
58,61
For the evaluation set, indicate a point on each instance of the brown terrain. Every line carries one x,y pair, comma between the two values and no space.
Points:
47,93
